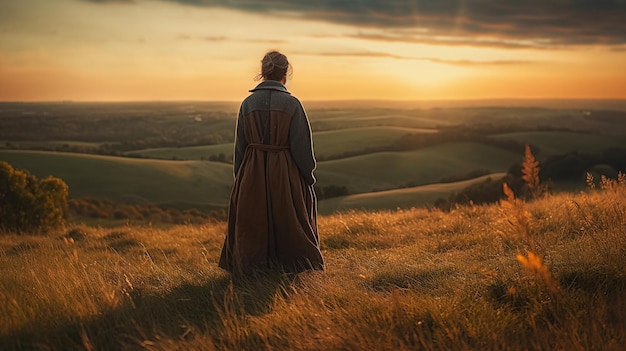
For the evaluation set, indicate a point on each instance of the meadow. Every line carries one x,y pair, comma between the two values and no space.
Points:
547,274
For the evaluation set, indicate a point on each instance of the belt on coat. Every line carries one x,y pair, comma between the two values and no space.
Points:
267,147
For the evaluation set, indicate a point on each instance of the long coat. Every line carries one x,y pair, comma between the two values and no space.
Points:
272,216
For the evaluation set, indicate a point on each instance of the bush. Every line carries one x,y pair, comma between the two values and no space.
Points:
331,191
465,176
29,204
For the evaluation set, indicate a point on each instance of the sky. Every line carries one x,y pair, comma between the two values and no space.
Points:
148,50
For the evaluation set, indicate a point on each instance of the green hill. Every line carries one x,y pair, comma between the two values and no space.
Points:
119,178
419,196
392,170
335,143
209,183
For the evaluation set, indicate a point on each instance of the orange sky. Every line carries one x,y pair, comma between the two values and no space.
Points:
89,50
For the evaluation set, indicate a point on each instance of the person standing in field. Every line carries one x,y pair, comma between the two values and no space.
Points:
272,215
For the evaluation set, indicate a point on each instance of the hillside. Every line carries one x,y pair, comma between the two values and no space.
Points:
548,274
128,179
417,196
329,144
208,183
391,170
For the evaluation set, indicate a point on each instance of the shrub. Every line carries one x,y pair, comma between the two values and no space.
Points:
30,204
331,191
487,191
465,176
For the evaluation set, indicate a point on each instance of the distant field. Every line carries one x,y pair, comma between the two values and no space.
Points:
203,152
610,122
119,178
419,196
53,144
556,143
324,120
327,144
391,170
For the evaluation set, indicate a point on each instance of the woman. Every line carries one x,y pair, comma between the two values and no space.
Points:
272,216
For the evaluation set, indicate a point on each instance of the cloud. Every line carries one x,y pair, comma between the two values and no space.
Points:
358,54
477,63
221,38
499,42
212,38
535,23
111,1
371,54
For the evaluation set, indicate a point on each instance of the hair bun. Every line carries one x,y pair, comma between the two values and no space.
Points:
274,66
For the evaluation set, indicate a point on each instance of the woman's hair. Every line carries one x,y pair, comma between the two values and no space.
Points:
274,66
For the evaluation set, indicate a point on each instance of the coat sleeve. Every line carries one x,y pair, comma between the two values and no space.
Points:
240,143
301,144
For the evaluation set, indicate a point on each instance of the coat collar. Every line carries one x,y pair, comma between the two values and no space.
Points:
271,85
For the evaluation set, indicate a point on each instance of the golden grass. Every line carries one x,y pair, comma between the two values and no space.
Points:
410,279
530,173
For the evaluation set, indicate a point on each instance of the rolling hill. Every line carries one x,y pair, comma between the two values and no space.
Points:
418,196
353,145
329,144
119,178
391,170
207,183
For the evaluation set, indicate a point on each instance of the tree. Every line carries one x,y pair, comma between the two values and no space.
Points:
30,204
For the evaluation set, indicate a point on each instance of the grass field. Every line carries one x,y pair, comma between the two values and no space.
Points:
544,275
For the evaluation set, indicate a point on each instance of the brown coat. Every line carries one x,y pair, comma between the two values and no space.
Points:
272,217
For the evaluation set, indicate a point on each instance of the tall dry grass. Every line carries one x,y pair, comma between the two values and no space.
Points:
412,279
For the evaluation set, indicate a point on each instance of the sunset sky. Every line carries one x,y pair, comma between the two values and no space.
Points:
111,50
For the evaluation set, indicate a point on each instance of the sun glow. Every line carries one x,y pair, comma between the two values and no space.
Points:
80,50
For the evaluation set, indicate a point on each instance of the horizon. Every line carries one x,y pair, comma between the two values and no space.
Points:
182,50
549,103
